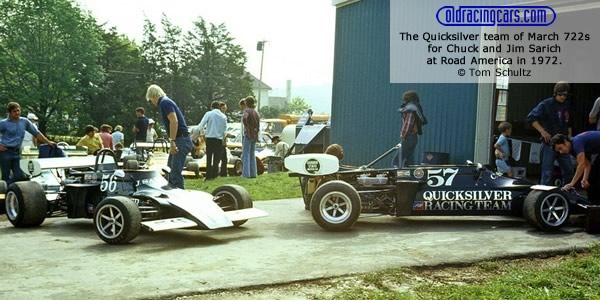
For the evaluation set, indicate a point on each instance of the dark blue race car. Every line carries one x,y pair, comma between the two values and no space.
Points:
336,197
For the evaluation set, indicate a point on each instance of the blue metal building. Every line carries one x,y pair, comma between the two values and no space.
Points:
364,102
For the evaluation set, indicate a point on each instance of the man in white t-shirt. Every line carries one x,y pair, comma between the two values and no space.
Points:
28,139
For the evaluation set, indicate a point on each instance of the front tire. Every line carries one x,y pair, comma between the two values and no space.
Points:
546,210
232,197
117,220
335,205
26,204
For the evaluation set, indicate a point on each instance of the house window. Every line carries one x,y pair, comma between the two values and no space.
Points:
501,95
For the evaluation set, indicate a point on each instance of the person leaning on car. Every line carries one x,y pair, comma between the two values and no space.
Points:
12,132
550,117
91,140
582,146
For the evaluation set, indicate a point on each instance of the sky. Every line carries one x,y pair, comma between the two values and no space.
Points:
299,35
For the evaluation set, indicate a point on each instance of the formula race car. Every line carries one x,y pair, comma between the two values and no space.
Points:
336,197
121,202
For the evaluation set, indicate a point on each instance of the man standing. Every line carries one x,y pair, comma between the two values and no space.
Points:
251,128
12,132
550,117
593,117
582,146
212,127
28,140
177,132
412,121
140,129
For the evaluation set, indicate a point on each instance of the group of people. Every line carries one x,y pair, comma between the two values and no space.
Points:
94,139
212,130
553,120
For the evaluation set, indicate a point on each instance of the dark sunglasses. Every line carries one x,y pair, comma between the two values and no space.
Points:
562,94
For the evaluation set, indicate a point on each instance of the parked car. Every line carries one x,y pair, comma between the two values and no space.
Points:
336,197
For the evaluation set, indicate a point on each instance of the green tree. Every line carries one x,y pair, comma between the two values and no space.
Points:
49,51
123,88
269,112
297,106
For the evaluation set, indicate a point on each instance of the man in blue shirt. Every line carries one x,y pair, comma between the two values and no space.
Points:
12,132
582,146
550,117
177,132
216,125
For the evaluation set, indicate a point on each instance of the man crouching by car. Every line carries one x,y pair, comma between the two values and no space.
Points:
583,146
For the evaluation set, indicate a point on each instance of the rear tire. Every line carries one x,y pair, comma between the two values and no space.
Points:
131,164
26,204
546,210
335,205
237,167
194,167
233,197
117,220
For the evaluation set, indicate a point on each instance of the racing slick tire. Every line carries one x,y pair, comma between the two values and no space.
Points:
233,197
194,167
117,220
131,164
26,204
2,192
335,205
237,166
546,210
126,158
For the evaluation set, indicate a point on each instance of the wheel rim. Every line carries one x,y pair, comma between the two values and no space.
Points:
554,209
12,206
110,221
335,207
226,201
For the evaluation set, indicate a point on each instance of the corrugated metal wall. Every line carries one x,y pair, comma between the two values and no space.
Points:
364,104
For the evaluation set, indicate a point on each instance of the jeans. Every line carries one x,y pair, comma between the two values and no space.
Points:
9,160
248,157
408,151
177,161
548,156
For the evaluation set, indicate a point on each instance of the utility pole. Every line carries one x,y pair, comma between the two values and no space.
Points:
260,46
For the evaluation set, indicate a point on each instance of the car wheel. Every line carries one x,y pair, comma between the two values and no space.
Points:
557,182
117,220
127,158
131,164
194,167
335,205
2,192
232,197
237,167
26,204
546,210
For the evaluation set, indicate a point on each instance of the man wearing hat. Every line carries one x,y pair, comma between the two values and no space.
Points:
550,117
28,140
151,134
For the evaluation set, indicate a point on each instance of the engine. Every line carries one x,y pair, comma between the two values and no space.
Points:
378,201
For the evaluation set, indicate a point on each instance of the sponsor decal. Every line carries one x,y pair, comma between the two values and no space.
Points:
419,173
465,200
403,173
312,166
418,205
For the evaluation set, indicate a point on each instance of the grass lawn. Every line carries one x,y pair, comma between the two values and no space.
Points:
263,187
576,276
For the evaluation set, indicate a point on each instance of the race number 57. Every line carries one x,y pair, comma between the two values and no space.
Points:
439,177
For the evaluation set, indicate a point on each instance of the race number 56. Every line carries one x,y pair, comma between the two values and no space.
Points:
439,177
108,184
